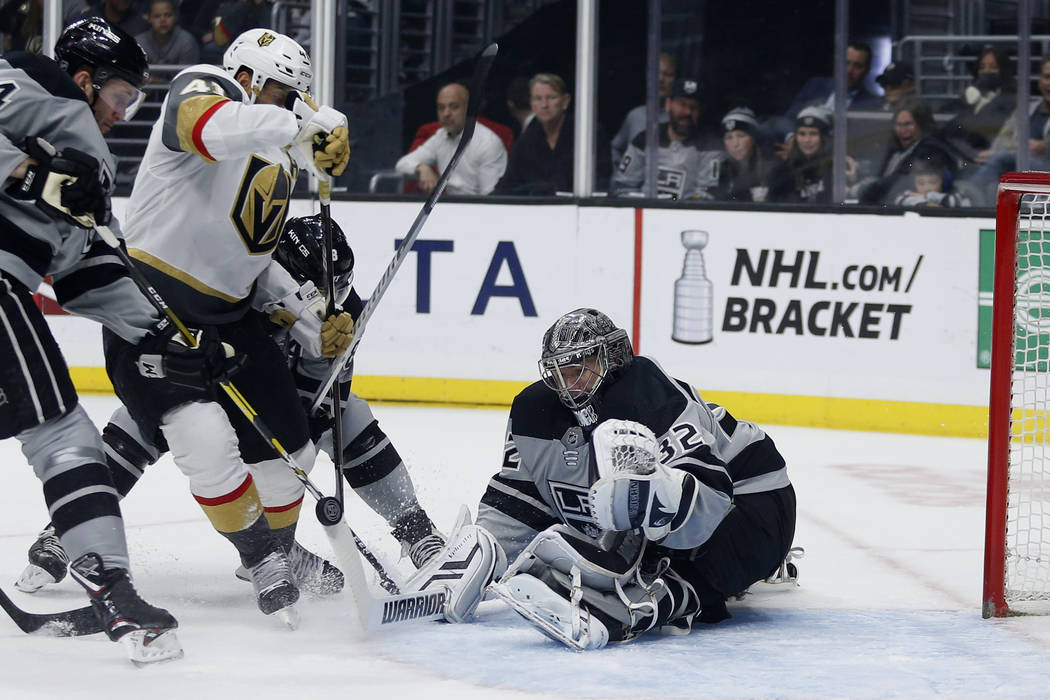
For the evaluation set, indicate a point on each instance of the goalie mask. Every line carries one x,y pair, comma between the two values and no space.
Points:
269,56
580,351
301,251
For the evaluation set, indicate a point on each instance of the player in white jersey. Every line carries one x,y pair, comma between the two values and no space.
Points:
205,214
58,176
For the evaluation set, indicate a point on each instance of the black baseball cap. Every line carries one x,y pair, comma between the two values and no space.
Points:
895,74
686,87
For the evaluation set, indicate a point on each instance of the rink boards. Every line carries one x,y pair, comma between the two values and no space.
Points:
851,321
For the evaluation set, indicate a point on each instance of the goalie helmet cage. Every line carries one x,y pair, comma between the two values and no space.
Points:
1017,519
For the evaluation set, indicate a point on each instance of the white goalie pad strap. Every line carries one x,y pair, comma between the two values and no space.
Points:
562,549
465,567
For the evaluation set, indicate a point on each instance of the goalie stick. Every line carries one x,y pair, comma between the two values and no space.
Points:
477,84
70,623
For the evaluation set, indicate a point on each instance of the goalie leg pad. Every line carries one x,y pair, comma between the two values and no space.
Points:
562,619
465,567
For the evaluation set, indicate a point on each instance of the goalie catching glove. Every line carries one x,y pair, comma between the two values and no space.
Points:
634,489
166,354
63,184
322,145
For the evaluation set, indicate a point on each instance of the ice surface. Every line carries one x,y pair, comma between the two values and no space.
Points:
888,607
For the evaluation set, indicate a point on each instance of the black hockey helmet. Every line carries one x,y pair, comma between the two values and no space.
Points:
301,252
111,53
566,363
108,49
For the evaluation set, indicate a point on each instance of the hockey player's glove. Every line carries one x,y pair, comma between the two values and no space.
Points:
64,184
336,333
167,355
322,145
635,490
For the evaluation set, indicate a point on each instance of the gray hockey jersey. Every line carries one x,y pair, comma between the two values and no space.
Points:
685,169
38,98
548,463
211,197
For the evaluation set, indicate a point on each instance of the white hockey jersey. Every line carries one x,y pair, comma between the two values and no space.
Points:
211,197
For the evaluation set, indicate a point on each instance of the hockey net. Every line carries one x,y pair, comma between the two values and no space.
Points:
1017,526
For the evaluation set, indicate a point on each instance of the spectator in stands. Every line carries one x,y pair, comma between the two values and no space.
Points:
166,42
820,91
805,175
928,177
635,121
898,81
518,103
745,171
913,137
430,128
1004,148
688,160
22,25
482,163
983,108
231,19
541,163
122,13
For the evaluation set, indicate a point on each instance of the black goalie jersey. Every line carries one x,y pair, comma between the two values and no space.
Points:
548,464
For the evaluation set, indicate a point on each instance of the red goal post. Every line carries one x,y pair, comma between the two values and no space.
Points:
1017,520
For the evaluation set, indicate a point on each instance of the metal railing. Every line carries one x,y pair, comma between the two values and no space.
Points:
942,64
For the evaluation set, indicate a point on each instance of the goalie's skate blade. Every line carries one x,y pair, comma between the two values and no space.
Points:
33,578
289,616
145,647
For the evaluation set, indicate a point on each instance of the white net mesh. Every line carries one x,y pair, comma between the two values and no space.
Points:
1028,500
623,446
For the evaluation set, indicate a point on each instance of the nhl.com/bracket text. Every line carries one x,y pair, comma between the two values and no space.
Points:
828,316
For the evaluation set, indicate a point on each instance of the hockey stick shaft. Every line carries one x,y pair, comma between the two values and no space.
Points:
477,84
238,399
324,193
69,623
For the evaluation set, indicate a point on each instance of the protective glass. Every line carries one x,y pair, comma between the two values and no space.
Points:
122,97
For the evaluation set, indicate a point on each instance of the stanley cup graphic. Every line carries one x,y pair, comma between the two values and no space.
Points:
693,294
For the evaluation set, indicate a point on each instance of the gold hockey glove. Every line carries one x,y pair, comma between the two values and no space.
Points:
332,151
336,333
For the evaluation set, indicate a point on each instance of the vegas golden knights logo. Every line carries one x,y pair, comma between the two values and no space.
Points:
261,206
266,39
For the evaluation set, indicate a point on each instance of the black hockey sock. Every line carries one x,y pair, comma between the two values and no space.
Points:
412,526
254,542
125,457
285,536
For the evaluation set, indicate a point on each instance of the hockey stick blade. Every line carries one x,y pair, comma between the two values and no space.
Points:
477,85
70,623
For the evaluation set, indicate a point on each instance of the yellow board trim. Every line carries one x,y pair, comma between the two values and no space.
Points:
946,420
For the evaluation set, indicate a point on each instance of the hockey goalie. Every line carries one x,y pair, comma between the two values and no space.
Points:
625,502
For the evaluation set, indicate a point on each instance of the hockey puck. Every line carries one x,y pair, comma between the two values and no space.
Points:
329,510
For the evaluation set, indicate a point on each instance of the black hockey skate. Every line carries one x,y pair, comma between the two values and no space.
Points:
147,632
48,562
312,574
420,540
275,589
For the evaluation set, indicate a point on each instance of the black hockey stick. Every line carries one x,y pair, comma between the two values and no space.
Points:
70,623
477,85
324,193
329,511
